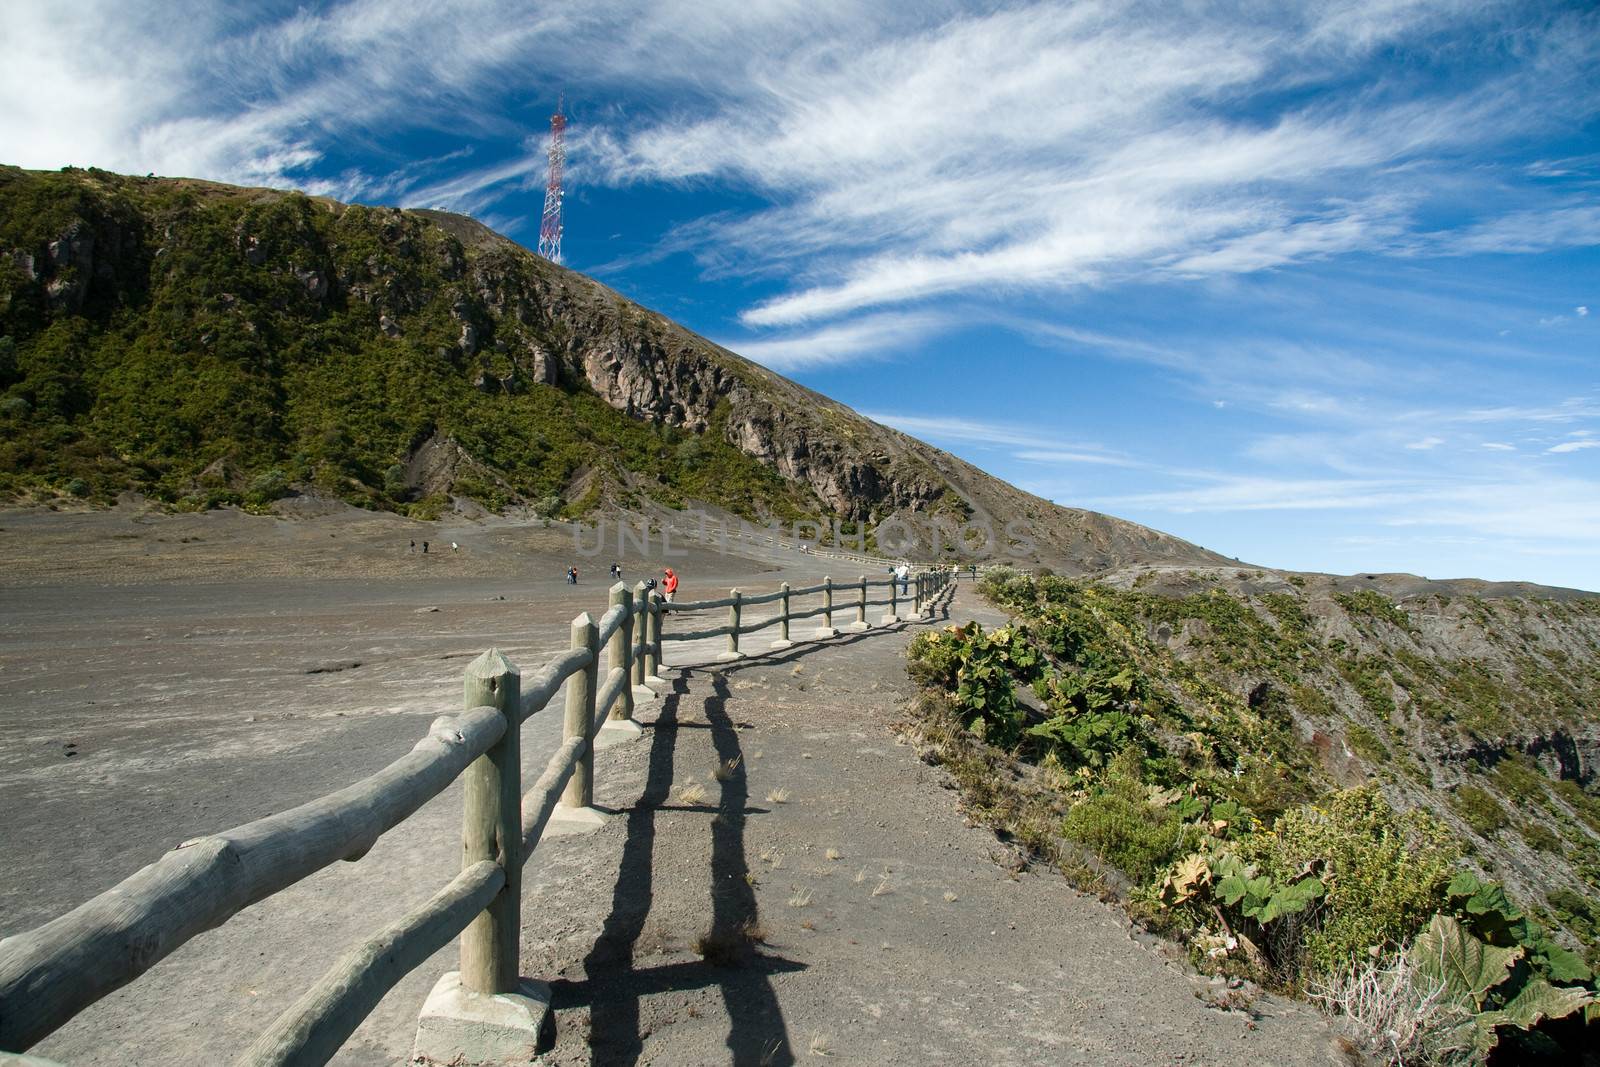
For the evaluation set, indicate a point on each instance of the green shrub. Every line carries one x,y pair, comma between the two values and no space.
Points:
266,487
1541,837
1385,871
933,659
1479,807
1576,912
1488,913
1366,744
1119,824
1371,604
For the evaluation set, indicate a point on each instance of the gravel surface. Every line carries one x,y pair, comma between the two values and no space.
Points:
153,689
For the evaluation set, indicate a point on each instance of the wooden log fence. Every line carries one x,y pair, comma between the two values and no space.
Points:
50,973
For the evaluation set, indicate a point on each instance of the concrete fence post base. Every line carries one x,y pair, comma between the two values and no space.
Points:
859,627
570,822
458,1026
615,732
780,644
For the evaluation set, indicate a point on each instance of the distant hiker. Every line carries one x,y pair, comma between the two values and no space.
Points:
413,547
669,585
974,572
424,548
454,547
572,576
616,571
903,573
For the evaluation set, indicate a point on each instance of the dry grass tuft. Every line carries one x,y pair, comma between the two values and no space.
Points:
883,887
726,768
778,796
654,940
800,899
861,876
819,1046
771,855
730,948
692,793
833,854
949,897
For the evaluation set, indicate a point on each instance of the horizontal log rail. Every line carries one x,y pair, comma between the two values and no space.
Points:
324,1018
767,598
50,973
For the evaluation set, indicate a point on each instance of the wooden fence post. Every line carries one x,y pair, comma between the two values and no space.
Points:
783,624
581,689
619,651
861,608
916,600
826,629
652,637
492,828
641,644
734,612
894,598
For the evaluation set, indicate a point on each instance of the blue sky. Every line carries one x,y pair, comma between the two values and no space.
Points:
1307,284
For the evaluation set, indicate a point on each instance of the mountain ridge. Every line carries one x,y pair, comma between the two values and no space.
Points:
119,294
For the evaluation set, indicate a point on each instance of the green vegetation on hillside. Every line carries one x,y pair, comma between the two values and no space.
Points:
1187,748
207,345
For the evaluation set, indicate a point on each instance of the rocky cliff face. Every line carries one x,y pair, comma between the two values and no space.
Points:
570,328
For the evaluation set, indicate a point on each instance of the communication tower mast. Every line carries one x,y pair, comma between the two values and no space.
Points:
550,221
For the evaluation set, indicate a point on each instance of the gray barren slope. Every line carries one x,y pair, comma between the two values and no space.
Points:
198,699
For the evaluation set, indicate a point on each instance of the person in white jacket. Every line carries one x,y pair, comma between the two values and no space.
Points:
903,573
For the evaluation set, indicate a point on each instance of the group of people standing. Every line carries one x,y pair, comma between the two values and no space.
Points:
669,580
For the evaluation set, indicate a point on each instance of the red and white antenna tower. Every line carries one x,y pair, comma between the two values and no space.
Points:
550,221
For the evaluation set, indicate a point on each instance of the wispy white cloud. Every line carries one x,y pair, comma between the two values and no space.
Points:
1101,459
1573,446
1544,510
1249,493
875,337
1572,409
1564,226
949,161
956,428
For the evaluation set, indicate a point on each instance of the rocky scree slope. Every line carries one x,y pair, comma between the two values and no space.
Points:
208,344
1483,710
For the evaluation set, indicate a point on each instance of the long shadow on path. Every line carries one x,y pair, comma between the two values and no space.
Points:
613,987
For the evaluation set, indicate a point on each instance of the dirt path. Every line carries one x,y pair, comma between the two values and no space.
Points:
154,688
889,929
